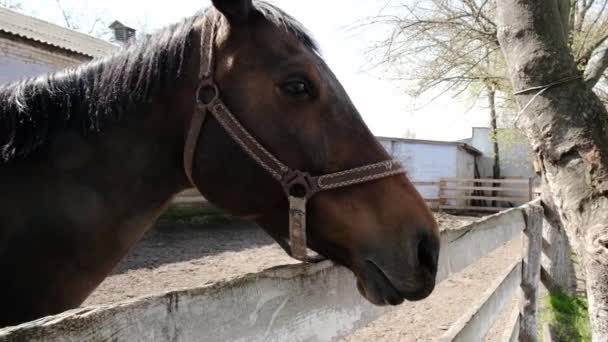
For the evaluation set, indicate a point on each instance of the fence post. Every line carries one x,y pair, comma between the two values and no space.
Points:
442,201
532,249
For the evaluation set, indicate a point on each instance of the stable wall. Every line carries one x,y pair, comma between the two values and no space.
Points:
516,155
425,163
429,162
20,59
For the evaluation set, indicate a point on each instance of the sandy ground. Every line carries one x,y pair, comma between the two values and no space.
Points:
174,256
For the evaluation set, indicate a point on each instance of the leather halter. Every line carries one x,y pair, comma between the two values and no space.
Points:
299,186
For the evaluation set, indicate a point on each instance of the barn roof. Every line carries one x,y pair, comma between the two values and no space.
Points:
117,25
54,35
468,148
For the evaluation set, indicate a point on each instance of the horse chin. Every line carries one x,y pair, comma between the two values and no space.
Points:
376,287
379,298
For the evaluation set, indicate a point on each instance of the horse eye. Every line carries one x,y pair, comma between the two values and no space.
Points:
296,87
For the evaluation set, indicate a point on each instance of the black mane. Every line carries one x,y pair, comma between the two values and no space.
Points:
86,98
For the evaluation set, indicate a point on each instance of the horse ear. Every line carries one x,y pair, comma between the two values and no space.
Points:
236,11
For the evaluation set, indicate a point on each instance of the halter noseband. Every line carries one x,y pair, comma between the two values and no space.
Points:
208,101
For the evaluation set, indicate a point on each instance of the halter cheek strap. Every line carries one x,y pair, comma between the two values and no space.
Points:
298,186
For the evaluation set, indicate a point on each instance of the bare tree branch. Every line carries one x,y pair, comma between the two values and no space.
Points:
94,26
582,8
455,37
584,54
596,66
66,16
11,4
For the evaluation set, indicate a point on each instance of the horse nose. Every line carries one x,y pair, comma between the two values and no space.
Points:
428,251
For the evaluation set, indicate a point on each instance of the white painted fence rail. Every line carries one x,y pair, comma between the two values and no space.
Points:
524,274
317,302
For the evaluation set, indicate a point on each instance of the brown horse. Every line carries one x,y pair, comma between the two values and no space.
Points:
91,156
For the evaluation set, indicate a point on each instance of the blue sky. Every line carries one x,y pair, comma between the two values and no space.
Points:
383,103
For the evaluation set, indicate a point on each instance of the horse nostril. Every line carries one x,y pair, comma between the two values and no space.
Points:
428,252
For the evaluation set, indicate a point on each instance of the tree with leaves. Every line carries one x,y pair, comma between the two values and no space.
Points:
566,124
451,46
96,25
441,46
11,4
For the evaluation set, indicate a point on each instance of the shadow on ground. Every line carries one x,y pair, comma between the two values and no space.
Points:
170,242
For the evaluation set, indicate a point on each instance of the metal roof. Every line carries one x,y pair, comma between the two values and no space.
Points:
472,150
47,33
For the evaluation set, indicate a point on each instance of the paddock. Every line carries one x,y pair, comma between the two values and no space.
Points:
319,302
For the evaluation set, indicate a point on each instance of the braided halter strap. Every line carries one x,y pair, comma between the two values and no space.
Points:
208,101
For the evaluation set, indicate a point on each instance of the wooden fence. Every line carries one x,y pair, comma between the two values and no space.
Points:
483,194
523,274
432,202
190,198
316,302
473,191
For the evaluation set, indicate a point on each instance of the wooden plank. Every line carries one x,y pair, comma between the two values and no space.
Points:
532,250
442,185
426,183
483,180
476,322
511,332
195,202
483,188
488,198
301,302
547,333
189,199
463,246
189,193
456,207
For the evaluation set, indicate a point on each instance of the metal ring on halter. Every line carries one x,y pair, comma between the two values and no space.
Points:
201,98
299,184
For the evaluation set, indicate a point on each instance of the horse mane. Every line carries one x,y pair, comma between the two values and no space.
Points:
88,97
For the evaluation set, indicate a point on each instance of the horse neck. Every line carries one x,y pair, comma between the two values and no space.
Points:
112,186
73,208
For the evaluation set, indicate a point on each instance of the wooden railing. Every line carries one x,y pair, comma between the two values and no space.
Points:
479,240
483,194
479,190
190,198
432,202
304,301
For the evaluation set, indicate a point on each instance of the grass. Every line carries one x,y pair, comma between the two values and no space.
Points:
198,216
568,316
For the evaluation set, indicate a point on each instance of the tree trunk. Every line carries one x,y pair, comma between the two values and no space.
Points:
597,66
495,150
567,126
493,122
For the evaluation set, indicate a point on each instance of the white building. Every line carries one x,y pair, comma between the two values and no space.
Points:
516,157
427,161
515,154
